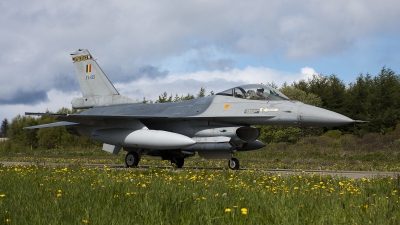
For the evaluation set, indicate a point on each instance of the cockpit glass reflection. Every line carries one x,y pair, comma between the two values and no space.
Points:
255,92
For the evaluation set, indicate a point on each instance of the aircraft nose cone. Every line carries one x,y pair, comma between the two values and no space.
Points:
314,116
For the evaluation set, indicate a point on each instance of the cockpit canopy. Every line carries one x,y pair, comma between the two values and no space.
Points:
255,92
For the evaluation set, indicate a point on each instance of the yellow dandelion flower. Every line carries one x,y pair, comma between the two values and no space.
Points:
244,211
228,210
2,195
235,206
58,195
85,221
8,220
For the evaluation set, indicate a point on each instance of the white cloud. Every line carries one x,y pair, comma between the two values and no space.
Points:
216,81
56,100
308,72
37,38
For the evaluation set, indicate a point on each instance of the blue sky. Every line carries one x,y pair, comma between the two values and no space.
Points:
148,47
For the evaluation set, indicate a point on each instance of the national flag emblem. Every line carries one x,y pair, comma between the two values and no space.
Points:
88,68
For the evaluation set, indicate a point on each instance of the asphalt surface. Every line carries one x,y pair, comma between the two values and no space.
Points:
339,173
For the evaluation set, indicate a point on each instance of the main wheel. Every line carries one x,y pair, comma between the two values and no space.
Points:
233,164
132,159
178,162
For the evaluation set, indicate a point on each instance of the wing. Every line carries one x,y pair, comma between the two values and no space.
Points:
73,119
57,124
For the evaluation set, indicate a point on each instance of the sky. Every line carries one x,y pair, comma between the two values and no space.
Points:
147,47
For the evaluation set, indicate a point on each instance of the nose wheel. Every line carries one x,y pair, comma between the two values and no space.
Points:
233,164
132,159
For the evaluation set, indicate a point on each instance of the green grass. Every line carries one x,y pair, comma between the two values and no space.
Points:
272,157
79,195
372,152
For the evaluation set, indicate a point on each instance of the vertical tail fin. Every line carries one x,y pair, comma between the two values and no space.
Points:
97,90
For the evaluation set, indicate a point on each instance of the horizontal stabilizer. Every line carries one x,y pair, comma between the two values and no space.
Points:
58,124
43,114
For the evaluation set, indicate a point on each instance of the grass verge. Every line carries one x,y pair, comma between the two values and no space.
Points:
80,195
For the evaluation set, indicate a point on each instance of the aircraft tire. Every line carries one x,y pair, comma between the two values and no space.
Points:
132,159
179,162
233,164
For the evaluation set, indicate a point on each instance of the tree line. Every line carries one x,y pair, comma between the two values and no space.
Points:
163,98
369,98
48,138
373,99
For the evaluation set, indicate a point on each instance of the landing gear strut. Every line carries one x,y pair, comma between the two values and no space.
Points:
132,159
178,162
233,164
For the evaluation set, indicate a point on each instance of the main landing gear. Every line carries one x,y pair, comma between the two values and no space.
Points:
178,162
233,164
132,159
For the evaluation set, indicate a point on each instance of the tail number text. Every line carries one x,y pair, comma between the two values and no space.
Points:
90,77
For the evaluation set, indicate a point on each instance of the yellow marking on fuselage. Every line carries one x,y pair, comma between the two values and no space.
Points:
226,107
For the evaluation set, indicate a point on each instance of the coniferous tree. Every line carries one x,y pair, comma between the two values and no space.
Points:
4,127
164,98
201,93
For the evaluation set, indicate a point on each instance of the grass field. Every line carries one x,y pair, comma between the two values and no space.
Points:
83,195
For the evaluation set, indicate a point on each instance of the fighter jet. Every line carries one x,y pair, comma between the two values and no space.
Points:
215,126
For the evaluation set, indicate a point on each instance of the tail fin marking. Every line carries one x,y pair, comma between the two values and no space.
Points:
97,90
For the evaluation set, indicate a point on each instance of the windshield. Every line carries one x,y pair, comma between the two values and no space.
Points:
255,92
